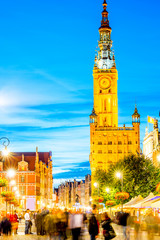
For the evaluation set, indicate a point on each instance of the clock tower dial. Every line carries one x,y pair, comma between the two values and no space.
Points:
104,83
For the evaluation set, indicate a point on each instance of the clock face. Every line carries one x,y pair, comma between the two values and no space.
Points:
104,83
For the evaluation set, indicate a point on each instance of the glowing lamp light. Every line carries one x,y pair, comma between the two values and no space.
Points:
107,190
118,175
11,173
13,182
5,152
95,184
14,188
23,197
158,158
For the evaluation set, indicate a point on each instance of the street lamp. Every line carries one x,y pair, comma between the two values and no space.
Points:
96,185
11,173
107,190
12,182
5,143
158,158
120,176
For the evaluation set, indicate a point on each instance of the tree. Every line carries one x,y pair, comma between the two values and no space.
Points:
140,177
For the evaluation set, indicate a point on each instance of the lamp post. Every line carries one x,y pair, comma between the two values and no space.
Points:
120,176
108,191
96,185
158,158
10,174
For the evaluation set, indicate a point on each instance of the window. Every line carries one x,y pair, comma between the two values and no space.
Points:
129,142
99,151
109,151
22,190
119,143
110,143
119,151
22,179
99,143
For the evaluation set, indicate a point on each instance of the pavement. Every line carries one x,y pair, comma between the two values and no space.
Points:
85,236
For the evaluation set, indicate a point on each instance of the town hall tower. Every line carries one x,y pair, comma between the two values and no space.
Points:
108,142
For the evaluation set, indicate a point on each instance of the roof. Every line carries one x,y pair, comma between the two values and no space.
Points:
30,157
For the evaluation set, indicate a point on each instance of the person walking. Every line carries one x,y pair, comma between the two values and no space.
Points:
38,222
15,222
108,231
93,227
27,221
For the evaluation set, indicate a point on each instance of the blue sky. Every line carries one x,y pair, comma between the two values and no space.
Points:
47,51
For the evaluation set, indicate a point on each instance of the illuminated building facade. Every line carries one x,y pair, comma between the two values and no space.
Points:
108,142
67,193
151,144
33,177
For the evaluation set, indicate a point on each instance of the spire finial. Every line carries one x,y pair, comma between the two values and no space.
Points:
104,22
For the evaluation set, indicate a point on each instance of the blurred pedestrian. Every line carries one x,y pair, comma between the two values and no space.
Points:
38,222
15,222
6,226
27,221
75,224
150,221
93,227
108,231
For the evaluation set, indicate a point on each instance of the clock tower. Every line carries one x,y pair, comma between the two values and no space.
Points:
105,77
108,142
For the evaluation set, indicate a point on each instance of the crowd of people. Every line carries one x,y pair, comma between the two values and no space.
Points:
60,225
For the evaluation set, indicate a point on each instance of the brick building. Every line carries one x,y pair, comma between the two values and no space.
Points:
33,177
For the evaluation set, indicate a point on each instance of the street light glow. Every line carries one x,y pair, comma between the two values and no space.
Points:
11,173
13,182
5,152
95,184
118,175
14,188
107,190
158,158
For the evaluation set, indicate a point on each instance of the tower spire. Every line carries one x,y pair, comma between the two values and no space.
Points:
105,21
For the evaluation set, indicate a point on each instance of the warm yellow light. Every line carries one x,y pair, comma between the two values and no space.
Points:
158,158
118,175
17,193
107,190
23,197
95,184
5,152
12,183
14,188
11,173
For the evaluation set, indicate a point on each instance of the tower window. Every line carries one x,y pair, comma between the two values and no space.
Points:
99,143
119,143
109,151
110,143
99,151
100,91
22,179
119,151
129,142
